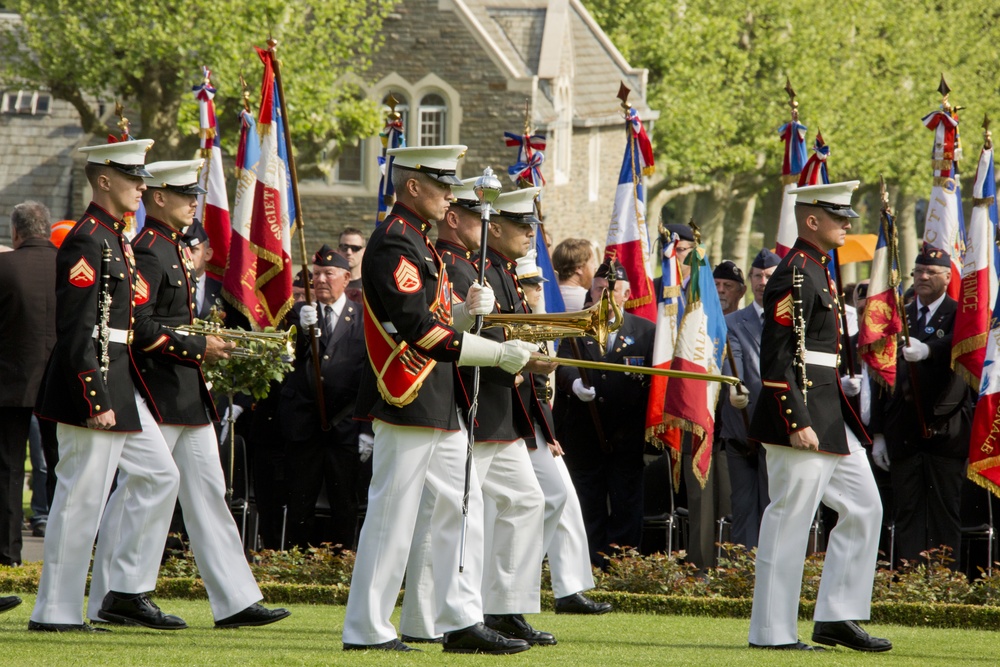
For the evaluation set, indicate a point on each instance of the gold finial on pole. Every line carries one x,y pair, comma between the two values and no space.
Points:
883,194
987,135
792,102
527,116
123,122
623,93
246,93
696,231
392,103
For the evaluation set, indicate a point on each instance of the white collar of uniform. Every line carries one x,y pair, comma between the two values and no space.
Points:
931,307
338,305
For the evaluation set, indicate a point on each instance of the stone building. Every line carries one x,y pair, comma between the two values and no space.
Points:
463,70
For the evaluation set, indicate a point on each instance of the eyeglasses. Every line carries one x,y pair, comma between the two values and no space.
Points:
344,247
927,272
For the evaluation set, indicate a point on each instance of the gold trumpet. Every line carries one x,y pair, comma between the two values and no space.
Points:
248,343
539,327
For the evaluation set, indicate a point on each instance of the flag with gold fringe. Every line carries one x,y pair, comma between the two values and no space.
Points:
213,207
701,346
979,275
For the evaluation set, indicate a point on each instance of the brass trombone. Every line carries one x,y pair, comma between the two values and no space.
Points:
539,327
283,340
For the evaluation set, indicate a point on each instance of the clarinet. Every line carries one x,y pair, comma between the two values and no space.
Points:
799,324
104,311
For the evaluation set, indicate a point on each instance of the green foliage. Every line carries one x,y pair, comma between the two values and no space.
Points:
264,362
150,54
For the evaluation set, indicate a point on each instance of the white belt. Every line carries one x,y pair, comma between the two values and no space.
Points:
123,336
814,358
389,327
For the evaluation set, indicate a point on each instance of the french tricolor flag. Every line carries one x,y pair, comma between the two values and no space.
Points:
213,208
628,239
669,310
984,445
979,277
944,226
793,134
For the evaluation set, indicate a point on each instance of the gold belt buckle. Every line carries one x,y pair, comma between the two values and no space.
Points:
129,335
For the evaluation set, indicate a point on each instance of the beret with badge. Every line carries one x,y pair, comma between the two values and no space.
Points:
195,234
327,256
727,270
931,256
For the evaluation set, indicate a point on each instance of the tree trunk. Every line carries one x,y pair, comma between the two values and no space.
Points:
735,244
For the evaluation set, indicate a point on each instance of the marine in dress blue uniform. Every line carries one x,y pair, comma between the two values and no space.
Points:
813,441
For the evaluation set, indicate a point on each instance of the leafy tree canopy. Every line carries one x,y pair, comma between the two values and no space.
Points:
150,54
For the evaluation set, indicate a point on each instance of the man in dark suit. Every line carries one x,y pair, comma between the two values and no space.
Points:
607,469
315,455
747,469
206,288
28,329
927,467
814,444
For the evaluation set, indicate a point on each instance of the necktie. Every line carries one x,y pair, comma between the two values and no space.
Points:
327,323
922,320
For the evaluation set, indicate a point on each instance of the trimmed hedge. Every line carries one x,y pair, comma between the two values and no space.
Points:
920,595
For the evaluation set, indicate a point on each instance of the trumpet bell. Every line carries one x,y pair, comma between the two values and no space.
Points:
598,321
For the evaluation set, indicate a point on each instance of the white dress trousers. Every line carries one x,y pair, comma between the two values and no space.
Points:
798,481
406,461
87,462
215,540
513,520
564,537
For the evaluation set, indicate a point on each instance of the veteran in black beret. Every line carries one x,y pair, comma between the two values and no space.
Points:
814,443
925,450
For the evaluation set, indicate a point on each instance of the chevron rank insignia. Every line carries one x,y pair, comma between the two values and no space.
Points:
82,274
141,289
407,277
783,311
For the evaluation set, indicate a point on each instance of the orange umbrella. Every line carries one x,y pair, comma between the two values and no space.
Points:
857,248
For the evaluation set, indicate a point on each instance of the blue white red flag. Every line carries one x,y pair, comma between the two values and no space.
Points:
815,172
551,296
793,134
979,277
528,167
984,455
701,346
628,238
240,278
881,320
669,309
944,226
213,207
392,137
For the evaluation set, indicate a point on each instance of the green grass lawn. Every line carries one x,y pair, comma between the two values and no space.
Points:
311,636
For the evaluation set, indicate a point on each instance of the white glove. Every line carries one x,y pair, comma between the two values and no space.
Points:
851,385
879,453
366,443
479,301
585,394
308,316
237,411
739,397
476,351
917,350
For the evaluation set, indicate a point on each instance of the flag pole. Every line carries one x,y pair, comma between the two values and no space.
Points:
272,46
894,262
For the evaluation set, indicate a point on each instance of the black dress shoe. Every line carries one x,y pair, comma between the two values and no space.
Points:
578,603
410,639
391,645
137,610
797,646
9,602
255,614
480,639
849,634
35,626
515,627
